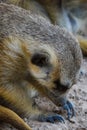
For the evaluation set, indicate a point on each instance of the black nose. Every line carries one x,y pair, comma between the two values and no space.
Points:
61,87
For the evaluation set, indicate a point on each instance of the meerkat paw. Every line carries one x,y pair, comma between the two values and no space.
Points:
68,106
51,118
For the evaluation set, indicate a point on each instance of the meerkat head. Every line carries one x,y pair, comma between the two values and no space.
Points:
42,65
55,67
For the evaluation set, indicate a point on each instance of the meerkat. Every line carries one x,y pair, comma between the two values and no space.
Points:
70,14
34,54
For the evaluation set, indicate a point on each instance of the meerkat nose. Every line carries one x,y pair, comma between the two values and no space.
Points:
60,86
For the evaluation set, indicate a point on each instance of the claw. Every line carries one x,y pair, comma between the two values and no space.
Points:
49,119
52,118
70,109
65,107
59,118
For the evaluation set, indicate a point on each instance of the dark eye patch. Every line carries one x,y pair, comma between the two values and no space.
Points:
40,60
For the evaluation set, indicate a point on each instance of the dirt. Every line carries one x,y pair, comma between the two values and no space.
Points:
77,95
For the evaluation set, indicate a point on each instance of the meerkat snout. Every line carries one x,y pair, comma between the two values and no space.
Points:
62,87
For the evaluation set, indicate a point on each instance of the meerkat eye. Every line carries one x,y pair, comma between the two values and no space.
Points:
40,60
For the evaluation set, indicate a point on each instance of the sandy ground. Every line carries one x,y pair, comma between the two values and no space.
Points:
77,95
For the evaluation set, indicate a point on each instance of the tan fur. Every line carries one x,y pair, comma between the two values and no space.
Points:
10,117
60,12
33,55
